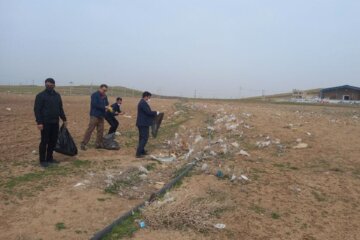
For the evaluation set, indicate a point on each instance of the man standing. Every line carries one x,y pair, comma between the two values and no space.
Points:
145,118
98,107
114,111
48,108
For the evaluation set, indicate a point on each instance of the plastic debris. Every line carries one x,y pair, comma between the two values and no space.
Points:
301,146
34,152
204,167
219,174
142,224
117,134
143,170
235,144
263,144
164,159
244,177
127,116
8,109
244,153
233,177
220,226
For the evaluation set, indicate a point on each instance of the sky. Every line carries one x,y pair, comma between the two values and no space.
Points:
218,48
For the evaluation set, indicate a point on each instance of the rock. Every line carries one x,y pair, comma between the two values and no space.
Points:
198,139
34,152
244,153
8,109
301,146
299,140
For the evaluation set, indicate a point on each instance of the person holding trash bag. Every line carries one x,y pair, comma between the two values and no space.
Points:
98,107
145,118
48,108
112,112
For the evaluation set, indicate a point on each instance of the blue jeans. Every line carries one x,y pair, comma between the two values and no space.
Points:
143,139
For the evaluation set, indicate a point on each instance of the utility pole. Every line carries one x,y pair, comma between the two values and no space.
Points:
195,94
263,94
240,92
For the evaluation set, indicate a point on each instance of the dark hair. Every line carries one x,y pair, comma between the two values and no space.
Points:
103,85
146,94
118,98
50,80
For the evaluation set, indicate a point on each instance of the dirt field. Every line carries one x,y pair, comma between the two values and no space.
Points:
284,172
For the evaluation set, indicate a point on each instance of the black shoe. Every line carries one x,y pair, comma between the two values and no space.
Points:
99,147
145,153
44,164
139,156
53,161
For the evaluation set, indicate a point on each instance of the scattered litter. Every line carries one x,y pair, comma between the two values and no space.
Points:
164,159
233,177
299,140
143,170
117,134
244,177
301,145
211,128
79,184
263,144
143,176
219,174
127,116
198,139
308,133
231,127
142,224
220,226
8,109
244,153
204,167
235,144
34,152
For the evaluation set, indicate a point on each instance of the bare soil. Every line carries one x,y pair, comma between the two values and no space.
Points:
287,193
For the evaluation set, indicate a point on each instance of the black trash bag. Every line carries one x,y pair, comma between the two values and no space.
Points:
65,143
156,124
110,143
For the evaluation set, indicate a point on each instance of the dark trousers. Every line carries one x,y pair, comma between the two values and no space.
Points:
143,139
49,136
113,123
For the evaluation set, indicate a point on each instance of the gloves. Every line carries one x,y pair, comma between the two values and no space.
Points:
157,113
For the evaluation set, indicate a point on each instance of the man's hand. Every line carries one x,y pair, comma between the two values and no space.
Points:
65,123
40,127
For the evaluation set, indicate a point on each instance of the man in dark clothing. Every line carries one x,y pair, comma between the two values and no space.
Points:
145,118
112,112
99,105
48,108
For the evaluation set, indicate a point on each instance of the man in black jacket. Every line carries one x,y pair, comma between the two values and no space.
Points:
48,108
112,112
145,118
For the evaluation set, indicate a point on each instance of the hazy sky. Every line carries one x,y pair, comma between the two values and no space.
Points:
175,46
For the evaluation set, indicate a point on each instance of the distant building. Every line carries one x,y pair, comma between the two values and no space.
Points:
346,92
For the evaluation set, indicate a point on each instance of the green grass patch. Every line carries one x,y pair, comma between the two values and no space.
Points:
284,166
60,226
151,166
319,196
275,215
124,230
258,209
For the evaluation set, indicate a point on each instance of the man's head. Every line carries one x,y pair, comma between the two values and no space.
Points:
103,88
146,95
50,84
119,100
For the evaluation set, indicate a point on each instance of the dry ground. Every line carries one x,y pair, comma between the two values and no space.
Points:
308,193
